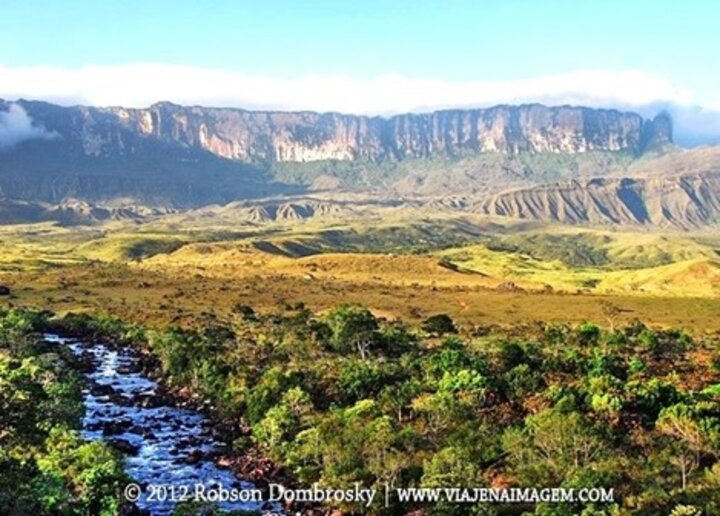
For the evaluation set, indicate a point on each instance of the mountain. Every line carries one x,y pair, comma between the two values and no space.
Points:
686,201
562,164
183,157
260,137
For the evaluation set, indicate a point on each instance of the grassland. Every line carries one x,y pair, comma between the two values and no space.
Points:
598,262
480,271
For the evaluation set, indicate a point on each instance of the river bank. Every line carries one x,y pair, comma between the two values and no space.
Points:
167,440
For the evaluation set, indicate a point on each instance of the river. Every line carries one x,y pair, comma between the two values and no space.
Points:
163,445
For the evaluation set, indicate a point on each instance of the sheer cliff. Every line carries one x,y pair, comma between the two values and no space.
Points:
258,136
181,157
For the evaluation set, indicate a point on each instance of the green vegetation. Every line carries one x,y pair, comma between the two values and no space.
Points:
421,175
46,467
608,250
593,260
346,397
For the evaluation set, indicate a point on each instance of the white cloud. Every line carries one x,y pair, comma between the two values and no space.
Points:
16,127
139,85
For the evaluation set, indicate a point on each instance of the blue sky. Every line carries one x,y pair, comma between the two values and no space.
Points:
466,52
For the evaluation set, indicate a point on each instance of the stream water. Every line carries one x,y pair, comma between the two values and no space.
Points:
163,445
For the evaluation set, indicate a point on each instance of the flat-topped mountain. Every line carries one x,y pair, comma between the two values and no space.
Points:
267,136
177,157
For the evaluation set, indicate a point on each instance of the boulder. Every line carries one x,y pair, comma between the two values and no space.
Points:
98,389
124,446
114,427
194,457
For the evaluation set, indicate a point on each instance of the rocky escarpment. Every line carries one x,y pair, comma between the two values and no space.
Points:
683,202
179,157
260,136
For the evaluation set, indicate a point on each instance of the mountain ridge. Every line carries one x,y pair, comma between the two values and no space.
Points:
301,136
104,162
686,201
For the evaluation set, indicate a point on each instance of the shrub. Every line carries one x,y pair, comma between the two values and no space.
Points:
588,334
439,324
359,379
511,354
521,381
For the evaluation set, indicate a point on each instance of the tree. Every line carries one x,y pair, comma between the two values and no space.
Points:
91,470
467,384
359,379
610,312
588,334
695,436
511,354
266,393
552,446
451,466
381,454
440,413
277,424
452,357
397,397
353,328
397,338
522,381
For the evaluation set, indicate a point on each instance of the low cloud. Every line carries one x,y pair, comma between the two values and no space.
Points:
138,85
16,126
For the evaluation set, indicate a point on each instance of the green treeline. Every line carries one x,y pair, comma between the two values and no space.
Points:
345,397
45,467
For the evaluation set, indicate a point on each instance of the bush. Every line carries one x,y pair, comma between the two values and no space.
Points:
521,381
440,325
359,379
588,334
511,354
244,311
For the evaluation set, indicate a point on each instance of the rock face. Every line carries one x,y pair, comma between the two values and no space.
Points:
657,133
258,136
174,157
682,202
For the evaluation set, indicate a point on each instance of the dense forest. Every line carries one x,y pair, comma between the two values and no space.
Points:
345,397
45,467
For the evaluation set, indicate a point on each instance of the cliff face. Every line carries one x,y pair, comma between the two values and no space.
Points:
261,137
179,157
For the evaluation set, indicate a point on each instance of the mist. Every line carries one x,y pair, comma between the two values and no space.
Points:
16,126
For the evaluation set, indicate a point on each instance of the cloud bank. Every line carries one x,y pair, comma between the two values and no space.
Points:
138,85
142,84
16,126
